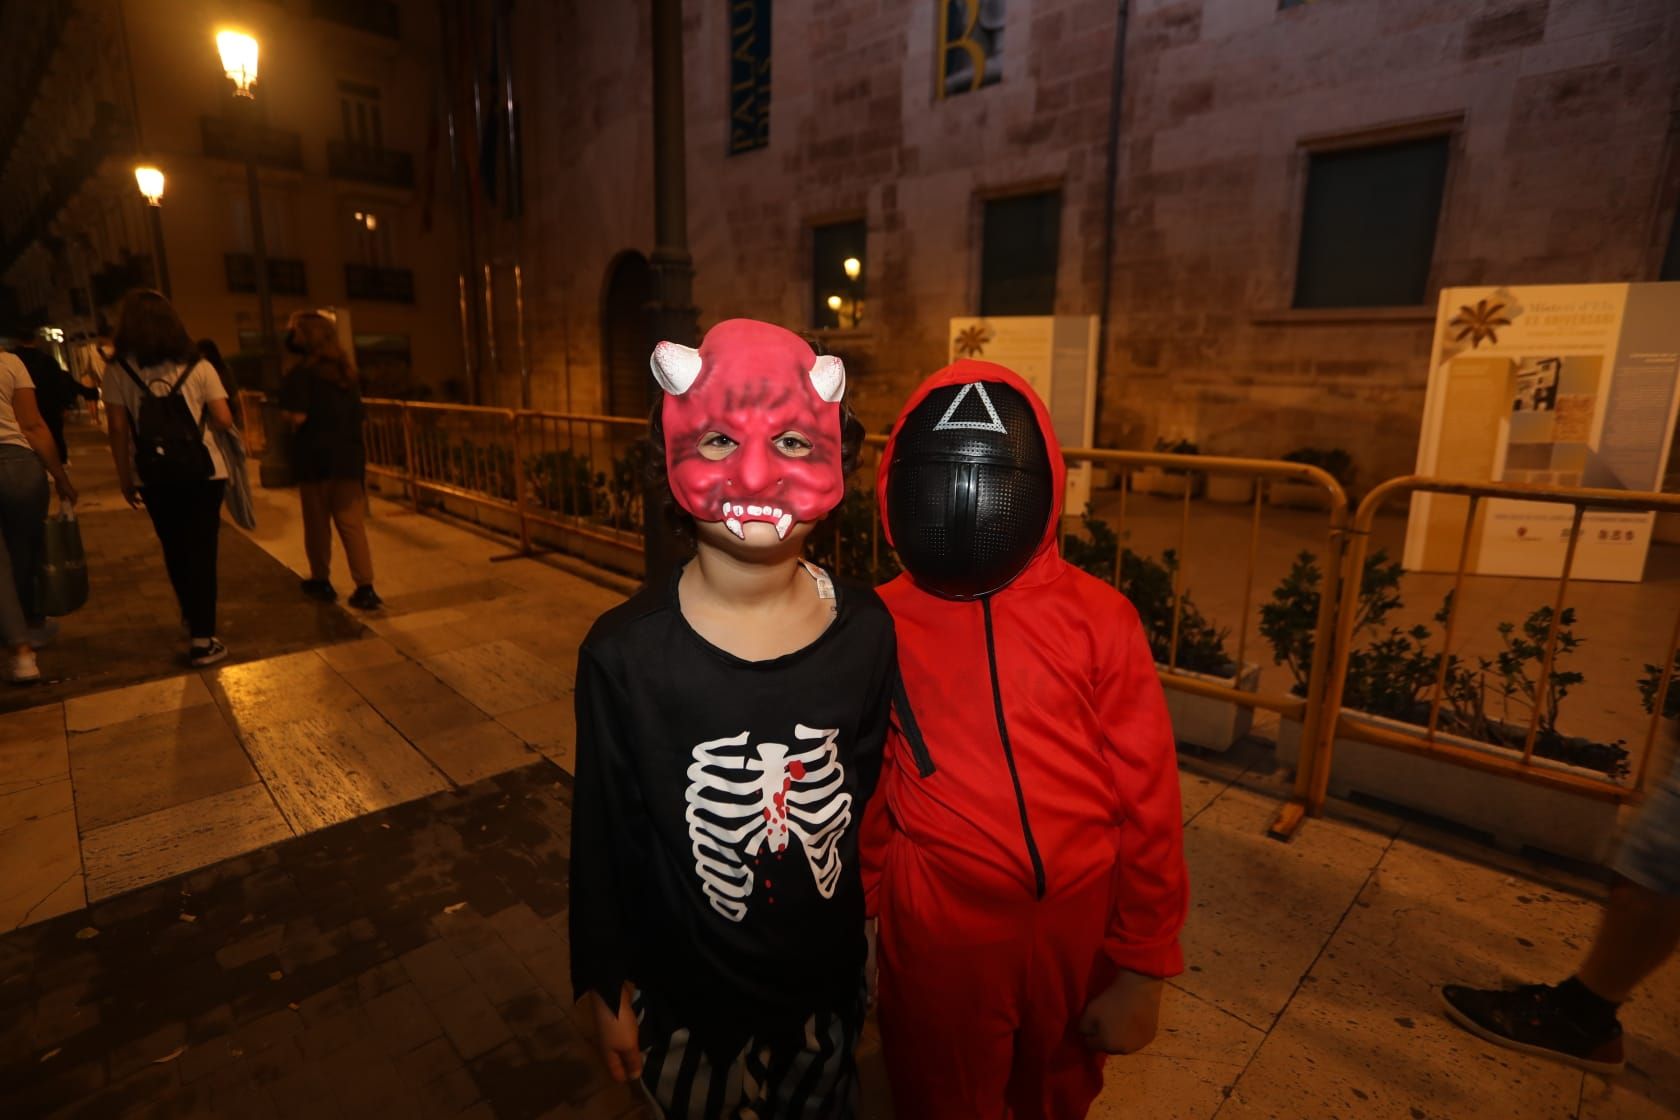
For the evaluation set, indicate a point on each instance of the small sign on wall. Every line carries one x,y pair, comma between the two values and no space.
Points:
749,75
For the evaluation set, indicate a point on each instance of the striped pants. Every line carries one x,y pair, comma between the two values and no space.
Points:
809,1075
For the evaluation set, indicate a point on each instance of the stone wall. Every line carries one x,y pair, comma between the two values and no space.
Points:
1556,175
1562,169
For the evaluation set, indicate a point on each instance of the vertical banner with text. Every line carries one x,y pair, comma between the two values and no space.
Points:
749,75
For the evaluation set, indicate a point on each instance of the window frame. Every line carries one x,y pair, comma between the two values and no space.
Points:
382,240
982,198
830,221
1451,127
362,92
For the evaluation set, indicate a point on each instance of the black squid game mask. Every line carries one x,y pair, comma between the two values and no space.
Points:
969,489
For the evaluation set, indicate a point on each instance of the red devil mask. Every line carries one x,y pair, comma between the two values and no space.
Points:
752,426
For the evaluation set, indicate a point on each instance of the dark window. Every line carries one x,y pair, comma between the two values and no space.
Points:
627,336
367,237
837,272
380,17
385,365
1671,259
1018,252
1368,225
360,113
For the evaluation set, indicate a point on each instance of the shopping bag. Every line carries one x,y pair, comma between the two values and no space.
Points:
239,504
64,577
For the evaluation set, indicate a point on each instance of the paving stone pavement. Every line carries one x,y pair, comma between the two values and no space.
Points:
130,629
408,963
374,832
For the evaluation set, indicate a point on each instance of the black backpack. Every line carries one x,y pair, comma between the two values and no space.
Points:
168,442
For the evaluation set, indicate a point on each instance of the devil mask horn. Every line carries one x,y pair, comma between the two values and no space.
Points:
675,367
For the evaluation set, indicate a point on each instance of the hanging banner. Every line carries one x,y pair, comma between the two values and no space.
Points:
749,75
969,52
1556,385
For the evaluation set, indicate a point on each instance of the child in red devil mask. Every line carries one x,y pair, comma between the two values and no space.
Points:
730,727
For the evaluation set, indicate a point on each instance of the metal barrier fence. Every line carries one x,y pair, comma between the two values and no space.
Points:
573,475
1319,741
579,476
561,480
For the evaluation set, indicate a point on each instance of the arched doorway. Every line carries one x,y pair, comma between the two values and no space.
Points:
627,335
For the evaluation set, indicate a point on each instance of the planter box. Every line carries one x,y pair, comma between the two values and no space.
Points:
1205,722
1161,483
1229,489
1297,495
1514,813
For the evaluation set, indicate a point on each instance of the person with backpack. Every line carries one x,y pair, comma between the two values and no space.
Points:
163,402
323,404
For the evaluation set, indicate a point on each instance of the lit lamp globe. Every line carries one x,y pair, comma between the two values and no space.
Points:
150,182
853,267
834,303
239,60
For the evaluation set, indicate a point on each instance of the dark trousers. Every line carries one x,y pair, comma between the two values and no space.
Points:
188,520
23,511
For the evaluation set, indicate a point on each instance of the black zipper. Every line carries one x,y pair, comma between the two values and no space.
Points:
1009,753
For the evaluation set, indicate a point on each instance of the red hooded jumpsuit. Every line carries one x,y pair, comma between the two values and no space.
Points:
1044,850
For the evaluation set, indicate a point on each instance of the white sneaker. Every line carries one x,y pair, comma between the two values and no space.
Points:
23,668
200,656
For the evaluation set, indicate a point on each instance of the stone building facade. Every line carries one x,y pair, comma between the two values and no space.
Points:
345,101
1558,120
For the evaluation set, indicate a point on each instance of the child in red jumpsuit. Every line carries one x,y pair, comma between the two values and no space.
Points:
1024,852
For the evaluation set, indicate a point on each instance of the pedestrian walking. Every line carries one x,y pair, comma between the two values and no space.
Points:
26,446
56,392
323,404
163,402
210,352
1577,1021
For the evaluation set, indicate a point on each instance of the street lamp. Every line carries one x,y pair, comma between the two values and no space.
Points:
150,182
854,269
239,62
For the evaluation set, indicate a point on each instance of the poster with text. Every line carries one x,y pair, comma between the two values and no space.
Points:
1056,355
1554,385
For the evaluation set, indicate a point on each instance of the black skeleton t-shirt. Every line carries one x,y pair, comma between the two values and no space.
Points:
716,812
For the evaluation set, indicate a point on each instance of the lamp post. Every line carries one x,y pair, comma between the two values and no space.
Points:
239,62
150,182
